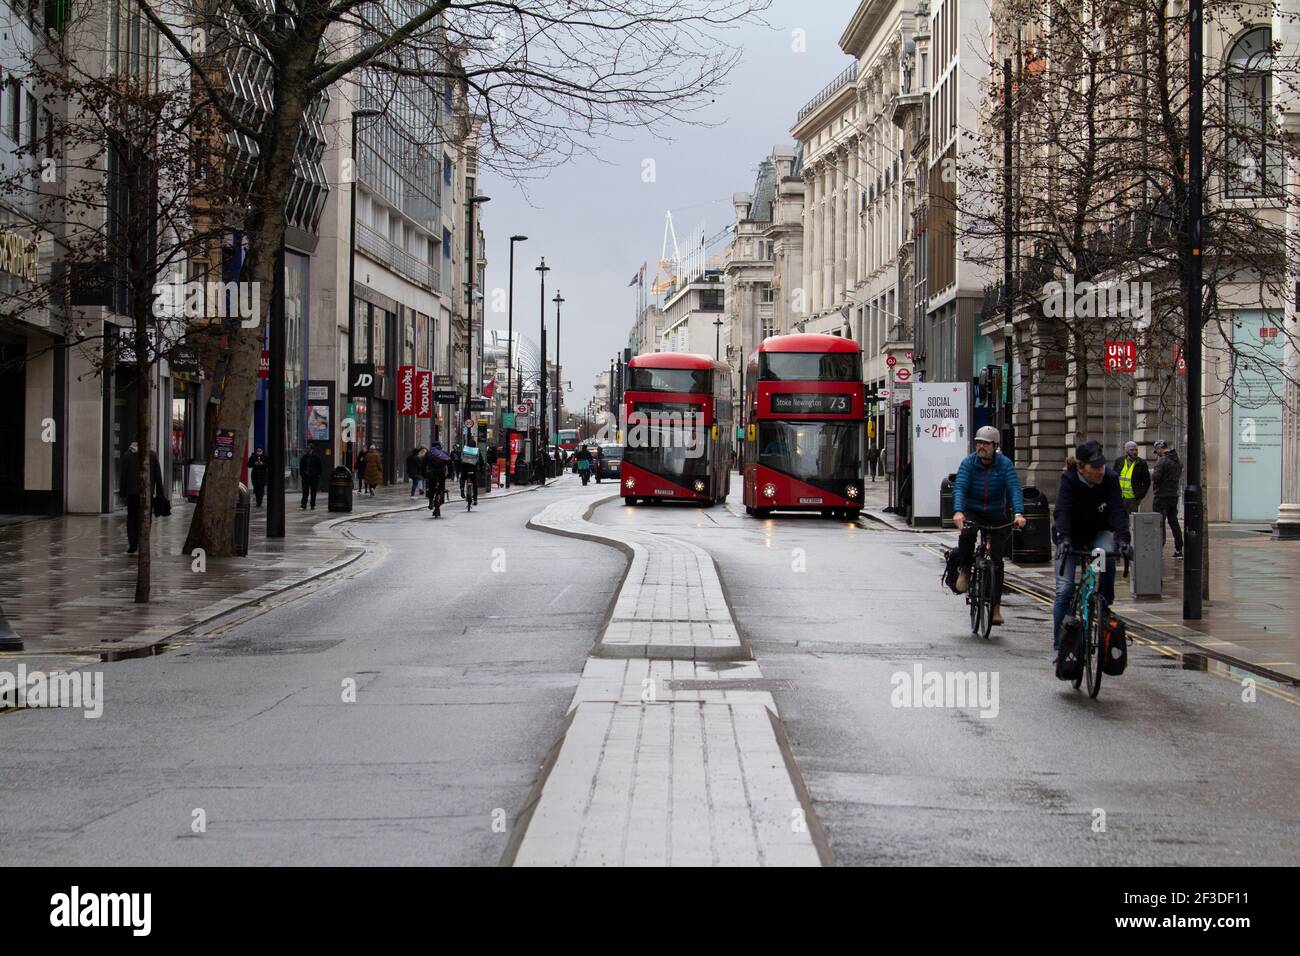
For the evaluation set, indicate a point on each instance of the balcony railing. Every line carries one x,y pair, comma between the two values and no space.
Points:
848,76
379,248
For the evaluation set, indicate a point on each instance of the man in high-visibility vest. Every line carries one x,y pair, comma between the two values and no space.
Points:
1134,477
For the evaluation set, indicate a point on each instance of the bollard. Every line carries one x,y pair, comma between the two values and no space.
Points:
1148,555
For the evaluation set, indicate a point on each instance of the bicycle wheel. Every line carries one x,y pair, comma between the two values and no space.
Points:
1096,652
1078,681
986,600
975,598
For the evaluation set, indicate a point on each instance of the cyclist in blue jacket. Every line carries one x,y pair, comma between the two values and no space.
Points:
986,483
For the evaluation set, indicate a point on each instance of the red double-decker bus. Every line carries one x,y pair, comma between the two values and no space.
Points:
804,426
678,421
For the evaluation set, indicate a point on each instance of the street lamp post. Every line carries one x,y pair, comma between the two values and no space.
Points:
352,260
1193,506
510,342
541,270
558,374
472,256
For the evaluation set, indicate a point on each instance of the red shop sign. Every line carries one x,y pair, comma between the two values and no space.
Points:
1121,356
424,394
406,390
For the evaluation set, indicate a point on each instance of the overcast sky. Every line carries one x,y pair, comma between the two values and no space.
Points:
595,221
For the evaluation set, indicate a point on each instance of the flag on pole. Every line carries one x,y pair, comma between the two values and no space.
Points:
490,387
635,279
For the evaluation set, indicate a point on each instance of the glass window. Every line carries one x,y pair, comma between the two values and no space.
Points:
810,367
1255,163
825,451
668,380
669,439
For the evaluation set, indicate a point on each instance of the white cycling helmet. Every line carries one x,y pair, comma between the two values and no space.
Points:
988,433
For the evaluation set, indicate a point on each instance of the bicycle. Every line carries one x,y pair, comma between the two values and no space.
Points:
437,497
1091,610
471,499
980,594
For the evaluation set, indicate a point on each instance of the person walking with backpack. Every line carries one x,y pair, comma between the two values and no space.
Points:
1165,477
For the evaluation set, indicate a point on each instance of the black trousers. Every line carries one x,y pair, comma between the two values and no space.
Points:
1169,508
309,486
259,489
133,521
998,541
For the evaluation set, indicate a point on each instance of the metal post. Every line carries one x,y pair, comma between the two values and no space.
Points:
352,262
275,423
559,378
472,256
1009,429
510,345
1193,506
541,270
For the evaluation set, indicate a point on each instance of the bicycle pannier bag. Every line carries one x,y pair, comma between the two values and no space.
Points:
1069,659
1115,634
950,569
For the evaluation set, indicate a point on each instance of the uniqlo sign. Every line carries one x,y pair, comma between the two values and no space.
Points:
406,390
423,394
1180,360
1121,356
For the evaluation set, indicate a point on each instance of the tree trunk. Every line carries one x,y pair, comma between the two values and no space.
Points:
1081,404
213,518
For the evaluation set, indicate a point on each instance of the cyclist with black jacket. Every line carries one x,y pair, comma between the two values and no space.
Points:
1089,514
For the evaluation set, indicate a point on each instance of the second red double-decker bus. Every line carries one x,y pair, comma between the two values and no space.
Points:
678,429
804,425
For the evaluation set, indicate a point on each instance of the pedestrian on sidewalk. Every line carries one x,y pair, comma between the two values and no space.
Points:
360,468
374,470
133,493
259,468
310,467
1134,478
1164,479
873,458
415,469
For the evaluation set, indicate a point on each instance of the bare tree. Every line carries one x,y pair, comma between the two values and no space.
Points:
114,185
545,79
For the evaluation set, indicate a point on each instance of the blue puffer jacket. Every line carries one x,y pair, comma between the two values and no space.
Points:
987,488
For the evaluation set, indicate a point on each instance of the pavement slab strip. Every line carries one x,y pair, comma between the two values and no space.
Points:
658,764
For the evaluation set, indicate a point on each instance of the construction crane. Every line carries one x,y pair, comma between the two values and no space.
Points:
673,270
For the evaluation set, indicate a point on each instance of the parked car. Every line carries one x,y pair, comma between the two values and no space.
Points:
610,463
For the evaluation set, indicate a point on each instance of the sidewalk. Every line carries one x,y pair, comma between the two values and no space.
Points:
1252,619
69,585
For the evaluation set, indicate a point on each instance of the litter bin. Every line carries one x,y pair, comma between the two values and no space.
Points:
340,489
1032,544
239,528
945,501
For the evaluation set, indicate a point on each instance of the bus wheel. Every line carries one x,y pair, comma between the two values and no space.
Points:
629,500
762,512
749,511
853,513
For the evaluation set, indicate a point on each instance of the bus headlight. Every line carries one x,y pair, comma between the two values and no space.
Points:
851,491
769,490
699,487
629,483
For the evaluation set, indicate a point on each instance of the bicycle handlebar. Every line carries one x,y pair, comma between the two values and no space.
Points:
1079,553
